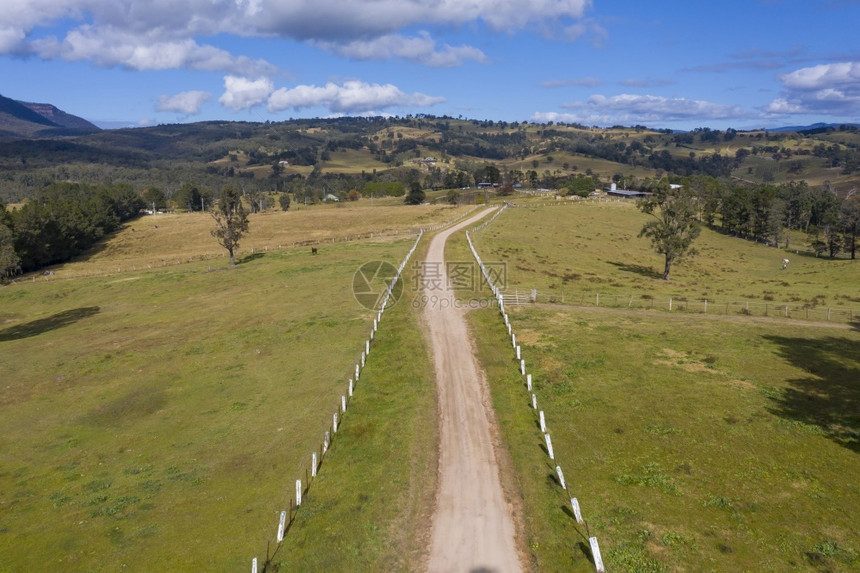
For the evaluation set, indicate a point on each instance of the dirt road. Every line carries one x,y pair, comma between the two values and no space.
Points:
473,529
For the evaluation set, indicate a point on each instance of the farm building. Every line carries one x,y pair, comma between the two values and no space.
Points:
626,193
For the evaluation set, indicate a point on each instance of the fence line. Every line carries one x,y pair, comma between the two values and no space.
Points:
451,222
288,517
530,388
491,219
800,311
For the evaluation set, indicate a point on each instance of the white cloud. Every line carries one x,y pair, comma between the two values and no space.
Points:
352,97
824,76
646,82
628,109
421,49
188,103
10,39
335,20
146,51
243,93
782,105
587,30
830,89
587,81
161,34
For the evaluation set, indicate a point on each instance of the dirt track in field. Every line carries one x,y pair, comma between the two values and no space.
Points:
473,526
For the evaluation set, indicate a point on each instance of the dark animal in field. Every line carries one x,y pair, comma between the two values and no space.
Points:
313,250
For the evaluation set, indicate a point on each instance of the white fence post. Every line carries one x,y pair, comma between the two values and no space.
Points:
298,492
534,401
314,464
523,367
595,552
518,352
529,382
560,477
542,422
254,565
281,525
334,422
574,503
549,446
343,403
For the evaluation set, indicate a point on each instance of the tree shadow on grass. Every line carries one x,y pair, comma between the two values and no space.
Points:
638,269
53,322
251,257
828,399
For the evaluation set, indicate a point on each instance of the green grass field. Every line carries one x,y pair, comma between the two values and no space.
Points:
170,239
693,442
158,419
574,252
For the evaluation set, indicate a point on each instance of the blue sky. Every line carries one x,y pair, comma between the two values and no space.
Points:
664,64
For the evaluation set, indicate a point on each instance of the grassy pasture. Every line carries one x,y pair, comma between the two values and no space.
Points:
352,161
685,454
185,237
578,250
158,419
370,509
693,443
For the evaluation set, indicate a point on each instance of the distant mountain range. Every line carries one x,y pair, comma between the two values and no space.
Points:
24,119
35,120
813,127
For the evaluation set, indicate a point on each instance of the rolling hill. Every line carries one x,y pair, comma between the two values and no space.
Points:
40,144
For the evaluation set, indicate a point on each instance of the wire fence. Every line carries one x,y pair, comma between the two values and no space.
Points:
774,309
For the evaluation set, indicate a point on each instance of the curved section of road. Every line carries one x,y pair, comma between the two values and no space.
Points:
473,528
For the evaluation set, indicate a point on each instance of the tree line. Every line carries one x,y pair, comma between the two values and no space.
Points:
61,222
771,213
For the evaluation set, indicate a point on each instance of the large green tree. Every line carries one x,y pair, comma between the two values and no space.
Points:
416,194
674,226
850,222
10,263
231,220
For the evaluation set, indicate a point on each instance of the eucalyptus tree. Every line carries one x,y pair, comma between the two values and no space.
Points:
231,220
674,226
